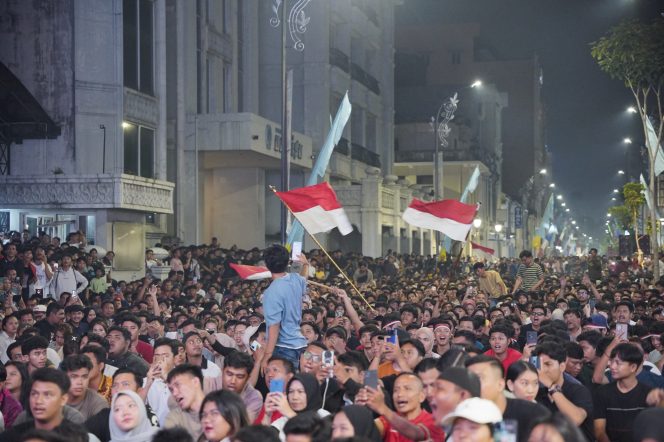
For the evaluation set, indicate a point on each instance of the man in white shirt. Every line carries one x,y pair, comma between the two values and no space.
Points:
67,279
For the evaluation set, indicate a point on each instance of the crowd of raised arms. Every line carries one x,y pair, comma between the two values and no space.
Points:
530,349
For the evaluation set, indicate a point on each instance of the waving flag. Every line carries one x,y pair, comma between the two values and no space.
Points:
654,148
483,252
648,195
473,181
450,217
296,233
251,272
317,208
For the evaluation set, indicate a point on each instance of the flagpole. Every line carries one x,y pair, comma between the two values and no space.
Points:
341,272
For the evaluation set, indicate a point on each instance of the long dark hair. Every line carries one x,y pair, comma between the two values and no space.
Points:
517,368
22,369
232,409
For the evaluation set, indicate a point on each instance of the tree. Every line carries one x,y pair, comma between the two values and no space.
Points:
634,200
634,53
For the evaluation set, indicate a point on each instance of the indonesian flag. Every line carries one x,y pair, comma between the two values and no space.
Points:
317,208
251,273
482,252
450,217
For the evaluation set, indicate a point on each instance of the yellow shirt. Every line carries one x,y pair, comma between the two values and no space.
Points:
492,284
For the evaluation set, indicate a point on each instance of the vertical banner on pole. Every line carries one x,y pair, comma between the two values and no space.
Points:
287,133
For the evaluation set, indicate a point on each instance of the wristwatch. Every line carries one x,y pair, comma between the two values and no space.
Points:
555,389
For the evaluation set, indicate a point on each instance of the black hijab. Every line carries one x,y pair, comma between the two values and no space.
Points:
312,390
363,422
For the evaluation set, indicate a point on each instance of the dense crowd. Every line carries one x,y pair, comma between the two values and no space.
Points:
528,349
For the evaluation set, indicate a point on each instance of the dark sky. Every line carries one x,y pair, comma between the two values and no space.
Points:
585,109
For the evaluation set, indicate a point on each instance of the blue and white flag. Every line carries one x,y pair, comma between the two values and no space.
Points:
296,233
654,148
473,181
648,195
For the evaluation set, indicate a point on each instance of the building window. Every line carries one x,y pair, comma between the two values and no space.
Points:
357,126
138,45
370,132
138,150
227,88
456,57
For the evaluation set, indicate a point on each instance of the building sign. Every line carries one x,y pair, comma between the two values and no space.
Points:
273,142
517,217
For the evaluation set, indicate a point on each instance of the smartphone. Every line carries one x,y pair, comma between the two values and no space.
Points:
371,379
592,303
40,293
621,331
506,431
254,345
276,385
338,313
531,337
535,361
297,250
392,339
328,358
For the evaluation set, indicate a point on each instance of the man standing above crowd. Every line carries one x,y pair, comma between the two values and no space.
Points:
529,276
282,306
67,279
490,281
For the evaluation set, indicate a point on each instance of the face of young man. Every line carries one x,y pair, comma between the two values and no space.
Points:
117,344
442,335
623,315
428,379
536,316
46,401
491,380
234,379
551,370
573,366
79,383
621,369
276,370
311,360
408,394
194,346
185,389
37,358
164,356
589,352
124,382
411,355
499,343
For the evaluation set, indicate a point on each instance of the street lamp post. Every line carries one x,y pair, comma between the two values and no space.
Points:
297,22
441,130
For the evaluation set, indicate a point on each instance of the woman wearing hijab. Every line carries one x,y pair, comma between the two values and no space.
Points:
355,421
426,337
302,394
128,421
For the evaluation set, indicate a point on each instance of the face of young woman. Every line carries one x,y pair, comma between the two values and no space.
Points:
215,427
126,413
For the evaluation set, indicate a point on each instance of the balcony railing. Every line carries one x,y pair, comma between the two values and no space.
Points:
420,156
343,147
363,77
361,153
340,60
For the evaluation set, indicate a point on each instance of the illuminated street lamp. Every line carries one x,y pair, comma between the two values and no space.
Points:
631,110
567,210
476,83
477,223
542,172
621,172
552,185
499,228
627,140
616,191
559,197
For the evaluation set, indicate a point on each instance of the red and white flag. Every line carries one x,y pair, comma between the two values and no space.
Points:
483,252
251,273
450,217
317,208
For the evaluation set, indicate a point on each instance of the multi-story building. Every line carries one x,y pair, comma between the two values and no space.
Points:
84,147
500,125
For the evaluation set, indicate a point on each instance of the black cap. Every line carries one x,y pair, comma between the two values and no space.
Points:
74,308
463,378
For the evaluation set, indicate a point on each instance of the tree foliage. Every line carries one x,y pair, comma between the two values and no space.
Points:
622,215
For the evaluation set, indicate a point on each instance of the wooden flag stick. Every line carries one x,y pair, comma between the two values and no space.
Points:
341,272
318,284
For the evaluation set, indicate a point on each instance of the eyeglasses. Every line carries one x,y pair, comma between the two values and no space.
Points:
309,356
537,314
211,414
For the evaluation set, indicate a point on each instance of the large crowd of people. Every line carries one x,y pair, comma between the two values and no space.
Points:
528,349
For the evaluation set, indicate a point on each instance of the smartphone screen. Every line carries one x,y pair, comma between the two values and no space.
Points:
621,331
531,337
535,361
277,386
297,250
506,431
371,379
591,303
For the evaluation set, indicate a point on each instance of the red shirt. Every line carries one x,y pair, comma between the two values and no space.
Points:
275,415
511,357
424,419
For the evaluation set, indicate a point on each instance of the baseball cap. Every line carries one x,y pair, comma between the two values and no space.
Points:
463,378
597,321
481,411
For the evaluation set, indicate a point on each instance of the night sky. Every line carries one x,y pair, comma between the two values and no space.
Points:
585,109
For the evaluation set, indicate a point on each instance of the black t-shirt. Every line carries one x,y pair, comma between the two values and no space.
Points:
524,413
580,396
620,409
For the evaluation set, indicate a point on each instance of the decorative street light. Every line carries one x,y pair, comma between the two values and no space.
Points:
632,110
297,22
621,172
552,185
441,130
499,228
477,223
627,140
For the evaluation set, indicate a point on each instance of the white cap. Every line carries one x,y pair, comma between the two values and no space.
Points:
481,411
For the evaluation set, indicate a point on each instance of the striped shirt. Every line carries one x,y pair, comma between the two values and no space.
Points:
529,275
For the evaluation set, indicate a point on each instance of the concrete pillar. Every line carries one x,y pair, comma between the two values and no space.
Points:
371,189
